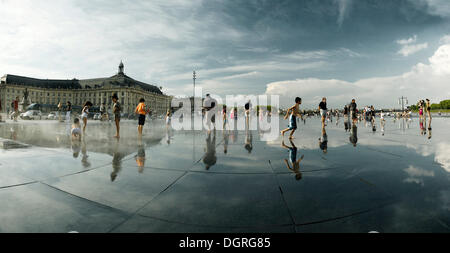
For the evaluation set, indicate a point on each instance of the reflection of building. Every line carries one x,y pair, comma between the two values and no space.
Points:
98,90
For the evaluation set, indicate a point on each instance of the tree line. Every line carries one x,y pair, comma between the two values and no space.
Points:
445,104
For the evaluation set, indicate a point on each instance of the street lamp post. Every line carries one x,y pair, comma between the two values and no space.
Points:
401,101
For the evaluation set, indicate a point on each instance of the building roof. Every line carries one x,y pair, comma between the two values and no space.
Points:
118,80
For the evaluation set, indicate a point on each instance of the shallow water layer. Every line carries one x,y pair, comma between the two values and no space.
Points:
393,179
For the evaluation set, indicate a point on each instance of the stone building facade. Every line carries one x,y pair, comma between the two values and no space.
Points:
98,91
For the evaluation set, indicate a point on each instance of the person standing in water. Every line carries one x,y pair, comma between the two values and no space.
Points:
224,116
168,118
209,105
292,113
85,114
353,111
142,111
76,130
323,111
428,108
68,111
116,110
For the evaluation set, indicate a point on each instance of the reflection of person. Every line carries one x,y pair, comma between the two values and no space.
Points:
140,157
422,124
210,158
76,147
84,158
354,135
116,162
226,137
429,128
248,141
234,136
293,159
323,141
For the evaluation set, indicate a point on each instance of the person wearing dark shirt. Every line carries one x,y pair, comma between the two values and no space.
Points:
323,110
353,110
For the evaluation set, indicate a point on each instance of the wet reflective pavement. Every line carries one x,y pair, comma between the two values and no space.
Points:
395,179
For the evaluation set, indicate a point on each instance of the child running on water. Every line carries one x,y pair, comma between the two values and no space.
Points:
85,113
293,112
142,111
76,129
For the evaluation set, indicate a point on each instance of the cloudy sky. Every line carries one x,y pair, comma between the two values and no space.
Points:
374,50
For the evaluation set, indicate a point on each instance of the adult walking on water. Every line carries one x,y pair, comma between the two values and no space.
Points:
116,110
428,108
353,111
323,110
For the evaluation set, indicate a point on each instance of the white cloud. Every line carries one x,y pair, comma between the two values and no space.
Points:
412,49
417,172
407,41
423,80
445,39
408,46
436,7
443,155
344,9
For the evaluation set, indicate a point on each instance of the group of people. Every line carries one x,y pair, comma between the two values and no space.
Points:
424,109
76,127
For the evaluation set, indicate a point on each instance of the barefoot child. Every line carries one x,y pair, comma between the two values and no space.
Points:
142,111
292,113
85,113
